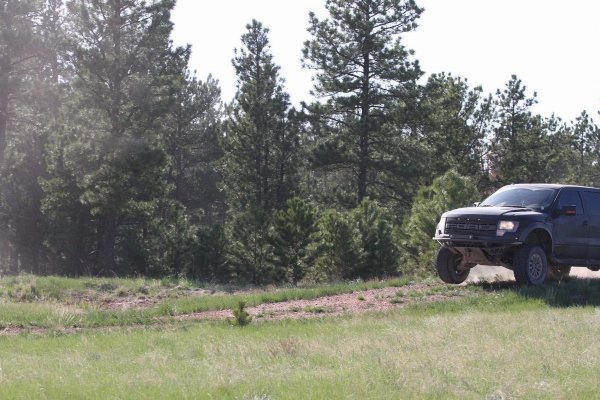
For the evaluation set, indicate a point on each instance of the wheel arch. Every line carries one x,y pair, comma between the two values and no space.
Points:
539,235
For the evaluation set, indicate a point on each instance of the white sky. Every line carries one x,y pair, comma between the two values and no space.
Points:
552,45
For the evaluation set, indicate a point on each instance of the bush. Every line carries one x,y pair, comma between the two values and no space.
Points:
209,257
375,225
292,233
447,192
339,247
249,251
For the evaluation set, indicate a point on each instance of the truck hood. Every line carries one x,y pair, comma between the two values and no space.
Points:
474,212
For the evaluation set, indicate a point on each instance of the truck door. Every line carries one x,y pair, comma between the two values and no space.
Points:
592,205
570,232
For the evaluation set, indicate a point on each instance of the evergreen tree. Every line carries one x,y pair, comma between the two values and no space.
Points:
18,44
260,155
16,37
292,236
192,144
339,249
111,158
376,228
249,252
209,262
261,141
455,122
33,78
363,70
584,138
520,149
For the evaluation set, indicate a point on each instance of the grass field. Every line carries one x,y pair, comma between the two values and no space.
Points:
503,342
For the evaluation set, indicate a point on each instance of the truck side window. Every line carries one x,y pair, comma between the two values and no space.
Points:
592,201
570,198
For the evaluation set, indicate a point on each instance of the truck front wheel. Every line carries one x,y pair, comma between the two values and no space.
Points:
530,265
447,267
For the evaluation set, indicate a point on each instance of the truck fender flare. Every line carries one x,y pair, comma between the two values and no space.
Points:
536,226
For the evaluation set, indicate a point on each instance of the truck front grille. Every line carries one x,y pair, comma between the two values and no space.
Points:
471,226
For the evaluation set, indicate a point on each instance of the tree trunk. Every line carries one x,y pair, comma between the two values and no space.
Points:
363,168
3,118
106,246
363,157
13,260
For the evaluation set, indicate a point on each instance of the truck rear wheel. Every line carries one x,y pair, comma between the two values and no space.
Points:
530,265
447,267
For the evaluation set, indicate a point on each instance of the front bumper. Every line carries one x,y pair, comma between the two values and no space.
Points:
457,240
486,250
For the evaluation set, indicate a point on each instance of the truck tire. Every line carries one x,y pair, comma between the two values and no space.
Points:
559,272
447,263
530,265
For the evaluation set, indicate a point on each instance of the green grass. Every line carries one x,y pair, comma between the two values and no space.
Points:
52,302
30,288
492,341
507,342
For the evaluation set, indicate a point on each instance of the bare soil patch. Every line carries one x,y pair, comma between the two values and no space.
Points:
373,300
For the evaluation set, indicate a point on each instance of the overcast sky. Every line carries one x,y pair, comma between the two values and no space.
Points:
552,45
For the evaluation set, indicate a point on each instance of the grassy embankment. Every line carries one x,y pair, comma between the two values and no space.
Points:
58,303
506,342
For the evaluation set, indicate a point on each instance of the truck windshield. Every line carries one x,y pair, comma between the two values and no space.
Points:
537,198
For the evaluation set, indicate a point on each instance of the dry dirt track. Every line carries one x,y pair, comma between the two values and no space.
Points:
347,303
485,273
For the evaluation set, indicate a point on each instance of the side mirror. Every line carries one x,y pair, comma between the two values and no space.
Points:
569,211
476,204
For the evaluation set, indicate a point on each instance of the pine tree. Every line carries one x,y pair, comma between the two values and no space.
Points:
455,122
260,154
584,138
339,248
111,157
34,77
520,149
376,228
261,141
292,235
192,144
364,71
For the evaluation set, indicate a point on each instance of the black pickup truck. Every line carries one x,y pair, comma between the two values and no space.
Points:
537,230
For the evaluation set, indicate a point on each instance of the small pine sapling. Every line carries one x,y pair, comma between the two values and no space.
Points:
242,317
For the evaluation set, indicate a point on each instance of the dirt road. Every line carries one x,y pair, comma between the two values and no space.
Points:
486,273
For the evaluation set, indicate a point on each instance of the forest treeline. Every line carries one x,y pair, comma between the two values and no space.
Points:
117,160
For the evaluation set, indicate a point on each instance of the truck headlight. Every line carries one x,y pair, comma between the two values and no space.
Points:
441,227
506,227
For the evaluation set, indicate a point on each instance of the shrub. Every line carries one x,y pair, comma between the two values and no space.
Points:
292,232
209,256
339,247
447,192
376,227
249,251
